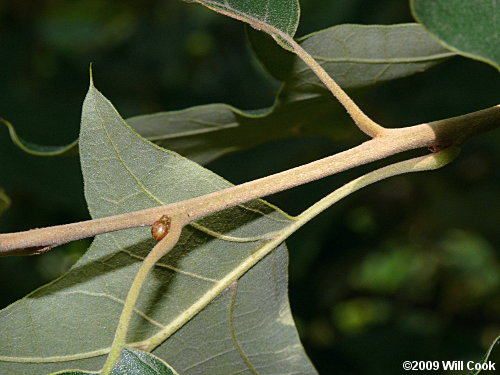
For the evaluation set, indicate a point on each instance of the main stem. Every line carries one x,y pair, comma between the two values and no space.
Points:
453,131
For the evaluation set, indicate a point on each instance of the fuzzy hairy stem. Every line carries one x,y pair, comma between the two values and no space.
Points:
423,163
162,248
364,123
452,131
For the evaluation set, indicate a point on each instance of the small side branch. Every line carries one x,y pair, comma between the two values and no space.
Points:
162,248
419,164
364,123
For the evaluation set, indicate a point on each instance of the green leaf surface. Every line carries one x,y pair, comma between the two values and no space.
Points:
205,133
75,372
225,261
354,55
470,28
136,362
132,362
273,16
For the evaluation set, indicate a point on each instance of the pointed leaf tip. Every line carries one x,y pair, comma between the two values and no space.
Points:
91,75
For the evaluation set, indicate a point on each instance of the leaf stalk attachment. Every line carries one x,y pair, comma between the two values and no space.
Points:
161,249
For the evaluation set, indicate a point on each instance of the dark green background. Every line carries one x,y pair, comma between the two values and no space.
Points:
404,270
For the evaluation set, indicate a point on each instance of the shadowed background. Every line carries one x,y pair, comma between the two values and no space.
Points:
406,269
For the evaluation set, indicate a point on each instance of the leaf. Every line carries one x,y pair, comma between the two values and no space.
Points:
70,322
132,362
262,331
205,133
75,372
354,55
273,16
357,56
36,149
136,362
470,28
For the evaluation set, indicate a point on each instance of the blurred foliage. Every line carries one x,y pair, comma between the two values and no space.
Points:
404,269
4,201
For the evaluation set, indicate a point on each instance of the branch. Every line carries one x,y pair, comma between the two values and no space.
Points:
423,163
364,123
442,133
162,248
420,164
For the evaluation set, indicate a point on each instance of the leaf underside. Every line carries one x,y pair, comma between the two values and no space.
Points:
356,56
70,322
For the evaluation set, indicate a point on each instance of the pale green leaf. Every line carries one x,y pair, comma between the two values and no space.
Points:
131,362
354,55
205,133
470,28
136,362
70,322
75,372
